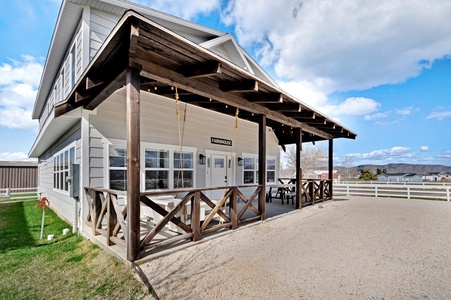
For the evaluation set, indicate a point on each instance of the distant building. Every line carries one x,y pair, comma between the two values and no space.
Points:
18,174
436,176
400,177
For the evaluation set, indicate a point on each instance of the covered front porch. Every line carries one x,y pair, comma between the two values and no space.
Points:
175,218
146,57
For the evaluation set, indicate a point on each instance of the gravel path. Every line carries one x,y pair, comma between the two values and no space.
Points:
355,248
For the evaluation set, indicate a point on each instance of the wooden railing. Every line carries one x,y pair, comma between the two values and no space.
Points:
107,214
315,191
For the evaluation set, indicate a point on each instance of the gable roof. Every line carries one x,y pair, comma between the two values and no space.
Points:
206,79
68,19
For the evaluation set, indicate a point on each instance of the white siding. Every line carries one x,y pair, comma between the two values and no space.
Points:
61,203
159,125
101,24
96,158
79,54
67,86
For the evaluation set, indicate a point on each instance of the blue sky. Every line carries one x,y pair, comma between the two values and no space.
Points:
381,68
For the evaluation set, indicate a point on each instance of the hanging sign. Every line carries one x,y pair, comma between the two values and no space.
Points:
219,141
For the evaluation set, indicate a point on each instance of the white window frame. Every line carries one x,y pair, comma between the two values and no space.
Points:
172,149
255,170
143,146
60,173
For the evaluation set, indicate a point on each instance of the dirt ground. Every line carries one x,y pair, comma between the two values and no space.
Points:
353,248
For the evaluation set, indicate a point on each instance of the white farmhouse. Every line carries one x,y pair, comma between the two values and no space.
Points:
144,101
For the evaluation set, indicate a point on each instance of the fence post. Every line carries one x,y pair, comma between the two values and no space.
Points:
408,192
375,191
347,189
447,194
8,192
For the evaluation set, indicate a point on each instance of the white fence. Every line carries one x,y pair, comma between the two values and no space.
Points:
17,193
396,190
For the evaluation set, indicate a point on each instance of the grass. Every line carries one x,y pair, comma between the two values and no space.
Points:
67,267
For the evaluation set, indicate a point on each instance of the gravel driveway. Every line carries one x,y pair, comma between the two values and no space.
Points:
353,248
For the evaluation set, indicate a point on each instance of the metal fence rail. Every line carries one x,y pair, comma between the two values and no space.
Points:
398,190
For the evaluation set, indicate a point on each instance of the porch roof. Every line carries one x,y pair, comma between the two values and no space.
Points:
168,61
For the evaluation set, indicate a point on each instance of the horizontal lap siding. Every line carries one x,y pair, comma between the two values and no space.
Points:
159,125
101,24
61,203
96,160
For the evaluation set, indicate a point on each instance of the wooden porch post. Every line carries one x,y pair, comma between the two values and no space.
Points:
298,133
331,166
133,169
262,165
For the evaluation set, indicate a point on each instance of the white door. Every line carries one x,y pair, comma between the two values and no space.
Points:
218,173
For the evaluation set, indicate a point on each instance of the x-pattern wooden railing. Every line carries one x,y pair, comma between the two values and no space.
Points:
109,219
316,190
197,228
106,216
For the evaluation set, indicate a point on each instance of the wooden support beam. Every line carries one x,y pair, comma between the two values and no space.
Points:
265,98
92,84
169,77
262,166
331,166
298,189
200,70
133,166
134,36
239,86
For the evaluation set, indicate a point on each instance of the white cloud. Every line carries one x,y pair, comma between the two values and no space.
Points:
13,156
406,111
424,149
384,155
439,115
19,81
357,106
376,116
181,8
445,154
345,44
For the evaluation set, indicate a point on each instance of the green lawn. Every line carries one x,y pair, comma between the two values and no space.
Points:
67,267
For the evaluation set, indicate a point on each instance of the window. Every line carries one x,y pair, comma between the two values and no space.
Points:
271,170
183,169
61,164
162,168
118,167
250,169
156,169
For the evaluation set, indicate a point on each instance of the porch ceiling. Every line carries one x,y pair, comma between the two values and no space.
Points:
168,61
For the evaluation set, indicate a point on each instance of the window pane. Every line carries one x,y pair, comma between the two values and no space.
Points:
271,164
72,156
118,180
66,184
248,177
61,162
157,159
271,176
249,163
187,158
219,163
66,160
118,156
157,180
183,179
60,183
